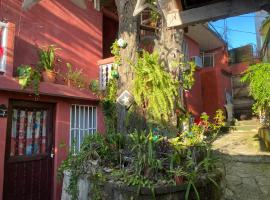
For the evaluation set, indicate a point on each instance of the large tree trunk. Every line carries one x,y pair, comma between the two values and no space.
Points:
169,45
128,30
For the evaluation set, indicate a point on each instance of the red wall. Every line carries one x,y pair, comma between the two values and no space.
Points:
79,35
208,92
61,132
194,96
239,68
216,82
193,47
76,31
3,130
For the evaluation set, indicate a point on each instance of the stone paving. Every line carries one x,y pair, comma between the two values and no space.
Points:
246,165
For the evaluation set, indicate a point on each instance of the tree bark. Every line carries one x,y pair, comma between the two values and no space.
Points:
128,30
169,45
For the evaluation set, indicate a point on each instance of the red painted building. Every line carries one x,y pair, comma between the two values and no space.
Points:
213,73
36,133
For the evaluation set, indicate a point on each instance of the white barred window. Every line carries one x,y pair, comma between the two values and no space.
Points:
104,75
83,121
3,45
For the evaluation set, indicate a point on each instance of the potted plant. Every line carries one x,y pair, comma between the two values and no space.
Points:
29,76
47,63
74,77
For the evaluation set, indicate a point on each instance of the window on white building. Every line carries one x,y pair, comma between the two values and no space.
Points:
3,46
83,121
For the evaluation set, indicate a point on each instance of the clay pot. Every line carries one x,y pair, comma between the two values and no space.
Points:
49,76
179,180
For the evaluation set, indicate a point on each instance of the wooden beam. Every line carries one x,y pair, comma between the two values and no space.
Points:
215,11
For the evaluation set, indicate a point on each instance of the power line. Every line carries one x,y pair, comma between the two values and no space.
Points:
236,30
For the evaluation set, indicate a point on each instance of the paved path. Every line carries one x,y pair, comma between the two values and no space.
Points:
246,165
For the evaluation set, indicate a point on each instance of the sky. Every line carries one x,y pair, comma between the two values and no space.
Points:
241,30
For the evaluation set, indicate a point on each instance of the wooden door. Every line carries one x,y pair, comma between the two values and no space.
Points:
29,157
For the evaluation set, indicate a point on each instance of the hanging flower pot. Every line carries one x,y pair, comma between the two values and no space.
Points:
49,76
122,43
115,74
179,180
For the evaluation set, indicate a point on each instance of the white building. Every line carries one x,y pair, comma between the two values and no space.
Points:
259,18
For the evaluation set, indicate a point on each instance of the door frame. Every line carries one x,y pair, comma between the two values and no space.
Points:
30,104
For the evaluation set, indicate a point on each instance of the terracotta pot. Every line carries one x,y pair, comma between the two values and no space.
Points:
49,76
179,180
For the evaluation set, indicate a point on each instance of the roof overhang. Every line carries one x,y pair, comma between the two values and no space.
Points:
205,37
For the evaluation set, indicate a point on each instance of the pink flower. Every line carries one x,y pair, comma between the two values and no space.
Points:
1,51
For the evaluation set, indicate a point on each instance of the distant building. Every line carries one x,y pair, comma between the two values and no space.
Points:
259,18
265,34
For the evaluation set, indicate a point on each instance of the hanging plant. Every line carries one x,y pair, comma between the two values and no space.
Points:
29,76
47,63
154,89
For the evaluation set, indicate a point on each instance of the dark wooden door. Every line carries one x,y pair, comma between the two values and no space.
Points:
29,157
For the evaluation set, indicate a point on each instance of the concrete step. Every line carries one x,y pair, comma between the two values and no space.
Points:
243,102
245,129
236,82
254,122
240,92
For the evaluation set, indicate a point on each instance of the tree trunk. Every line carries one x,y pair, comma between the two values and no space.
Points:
169,45
128,30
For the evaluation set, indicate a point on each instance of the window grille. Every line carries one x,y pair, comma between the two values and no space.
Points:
185,51
3,46
208,59
104,75
83,121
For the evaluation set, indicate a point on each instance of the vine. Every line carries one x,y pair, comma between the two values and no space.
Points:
109,101
29,76
258,78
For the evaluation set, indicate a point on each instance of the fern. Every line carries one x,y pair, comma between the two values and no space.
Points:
154,89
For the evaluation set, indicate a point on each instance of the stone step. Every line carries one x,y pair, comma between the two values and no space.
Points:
240,92
242,131
254,122
243,102
236,80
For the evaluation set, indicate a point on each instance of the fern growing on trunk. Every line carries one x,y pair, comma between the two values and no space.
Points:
155,90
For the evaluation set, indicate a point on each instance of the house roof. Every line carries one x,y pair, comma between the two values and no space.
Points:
11,84
205,37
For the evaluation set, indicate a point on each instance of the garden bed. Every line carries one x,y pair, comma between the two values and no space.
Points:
118,191
264,133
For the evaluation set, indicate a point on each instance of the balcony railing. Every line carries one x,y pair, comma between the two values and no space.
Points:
105,68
